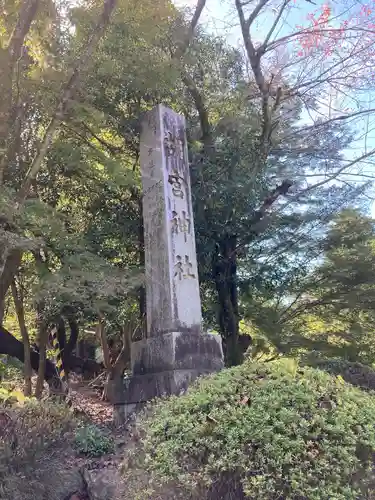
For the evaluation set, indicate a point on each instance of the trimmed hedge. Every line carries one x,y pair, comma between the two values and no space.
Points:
263,431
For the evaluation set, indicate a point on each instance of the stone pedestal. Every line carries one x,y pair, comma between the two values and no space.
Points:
167,365
176,350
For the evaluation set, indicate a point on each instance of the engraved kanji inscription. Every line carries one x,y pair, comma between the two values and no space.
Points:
174,146
183,269
178,268
180,223
176,183
170,260
188,268
151,166
175,222
151,120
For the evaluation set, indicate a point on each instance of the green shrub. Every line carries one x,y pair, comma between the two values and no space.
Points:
264,431
93,442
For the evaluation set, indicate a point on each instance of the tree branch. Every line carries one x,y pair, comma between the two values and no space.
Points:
18,305
26,15
111,148
337,173
331,120
280,190
201,108
12,347
254,59
61,109
191,30
72,342
255,12
263,47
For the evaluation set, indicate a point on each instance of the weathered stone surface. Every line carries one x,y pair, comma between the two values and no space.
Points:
177,350
146,387
172,286
139,389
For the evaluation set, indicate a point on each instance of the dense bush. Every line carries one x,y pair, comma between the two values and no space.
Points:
264,431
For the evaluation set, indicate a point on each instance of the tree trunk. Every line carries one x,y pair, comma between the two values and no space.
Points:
70,344
18,304
81,349
224,273
106,359
102,335
225,276
67,346
43,337
114,387
12,347
114,370
2,311
8,270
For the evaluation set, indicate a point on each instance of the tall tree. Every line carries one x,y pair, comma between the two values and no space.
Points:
13,142
236,188
327,310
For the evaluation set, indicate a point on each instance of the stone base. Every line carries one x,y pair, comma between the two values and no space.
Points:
166,365
177,351
139,389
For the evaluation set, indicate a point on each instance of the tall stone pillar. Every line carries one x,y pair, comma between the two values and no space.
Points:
176,349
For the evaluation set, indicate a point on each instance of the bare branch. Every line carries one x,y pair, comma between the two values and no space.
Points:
255,12
337,173
263,47
338,65
254,59
245,28
334,119
111,148
312,31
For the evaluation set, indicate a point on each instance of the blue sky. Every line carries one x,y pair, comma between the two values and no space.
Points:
220,17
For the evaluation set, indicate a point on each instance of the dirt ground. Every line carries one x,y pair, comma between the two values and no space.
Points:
60,473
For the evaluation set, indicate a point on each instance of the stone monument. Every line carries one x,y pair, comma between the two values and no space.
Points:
176,350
